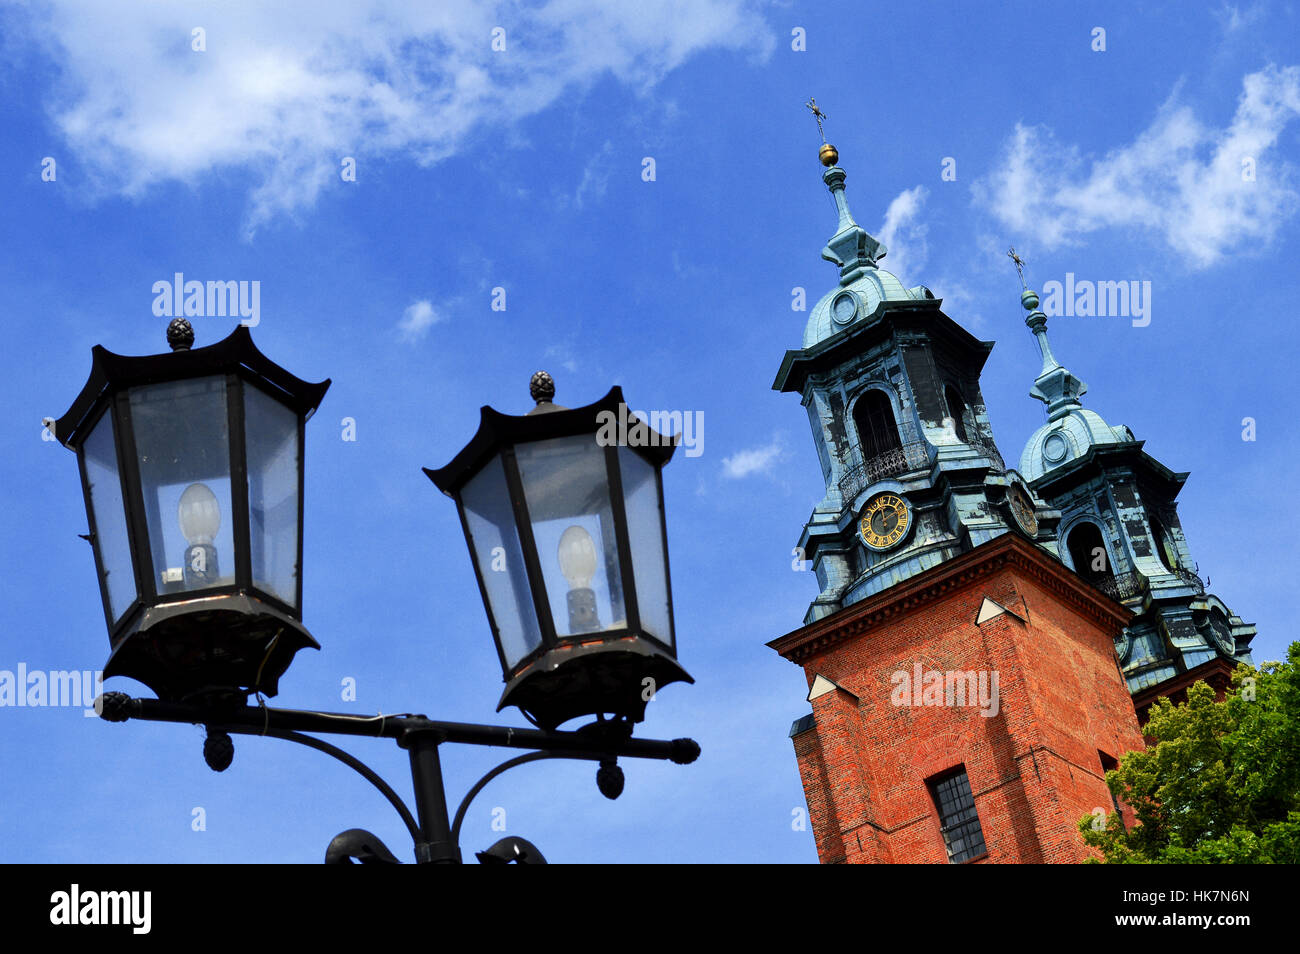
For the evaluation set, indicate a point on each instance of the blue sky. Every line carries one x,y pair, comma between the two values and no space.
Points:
523,169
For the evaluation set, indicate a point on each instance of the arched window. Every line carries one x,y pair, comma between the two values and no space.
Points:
956,411
1163,544
1088,552
877,429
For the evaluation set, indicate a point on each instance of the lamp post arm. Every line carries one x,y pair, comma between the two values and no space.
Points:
481,783
119,707
365,771
436,840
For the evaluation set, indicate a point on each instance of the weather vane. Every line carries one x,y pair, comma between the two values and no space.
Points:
1020,265
817,115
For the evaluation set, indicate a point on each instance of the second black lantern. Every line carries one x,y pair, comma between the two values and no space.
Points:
563,513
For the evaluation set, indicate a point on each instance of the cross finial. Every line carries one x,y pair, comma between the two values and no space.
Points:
817,115
1020,265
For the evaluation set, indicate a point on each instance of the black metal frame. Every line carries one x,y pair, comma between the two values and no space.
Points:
136,526
532,569
93,526
497,437
243,366
240,365
436,839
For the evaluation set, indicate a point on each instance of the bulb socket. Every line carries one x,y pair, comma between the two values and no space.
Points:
582,610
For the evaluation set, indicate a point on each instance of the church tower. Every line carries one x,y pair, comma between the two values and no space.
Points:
1120,531
966,698
891,384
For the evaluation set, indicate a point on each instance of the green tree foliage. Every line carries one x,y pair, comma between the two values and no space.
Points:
1221,782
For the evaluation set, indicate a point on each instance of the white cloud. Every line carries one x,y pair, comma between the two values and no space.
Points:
287,89
417,319
1178,178
756,460
595,176
903,233
1232,18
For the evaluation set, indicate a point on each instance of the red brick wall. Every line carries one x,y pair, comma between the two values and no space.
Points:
1034,767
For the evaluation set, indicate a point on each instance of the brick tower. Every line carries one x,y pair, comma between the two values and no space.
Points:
967,698
968,714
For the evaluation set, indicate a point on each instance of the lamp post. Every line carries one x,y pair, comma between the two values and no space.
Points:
191,466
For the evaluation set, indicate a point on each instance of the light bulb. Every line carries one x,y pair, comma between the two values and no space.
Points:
577,556
199,515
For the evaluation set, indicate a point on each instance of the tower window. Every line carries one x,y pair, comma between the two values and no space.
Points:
1163,545
1088,553
877,429
958,820
956,411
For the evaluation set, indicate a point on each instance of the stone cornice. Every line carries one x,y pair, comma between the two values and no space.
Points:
1007,551
1098,457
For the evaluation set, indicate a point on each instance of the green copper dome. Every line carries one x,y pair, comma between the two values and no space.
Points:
855,302
1068,437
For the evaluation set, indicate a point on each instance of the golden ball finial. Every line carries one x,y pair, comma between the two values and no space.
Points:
828,154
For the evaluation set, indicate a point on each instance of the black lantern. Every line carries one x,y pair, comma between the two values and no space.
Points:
563,513
191,466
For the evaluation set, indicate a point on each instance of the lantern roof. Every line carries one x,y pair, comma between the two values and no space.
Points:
236,352
496,430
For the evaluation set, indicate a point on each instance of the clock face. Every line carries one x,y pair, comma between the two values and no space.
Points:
885,521
1022,508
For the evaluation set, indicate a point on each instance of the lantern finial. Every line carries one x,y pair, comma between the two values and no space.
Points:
542,388
180,334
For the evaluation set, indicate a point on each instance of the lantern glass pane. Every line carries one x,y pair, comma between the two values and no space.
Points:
494,544
566,487
274,458
104,485
182,437
645,530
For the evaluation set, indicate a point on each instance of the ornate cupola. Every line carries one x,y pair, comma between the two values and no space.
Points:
891,384
1120,531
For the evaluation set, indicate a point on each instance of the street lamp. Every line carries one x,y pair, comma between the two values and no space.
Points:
566,532
191,467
